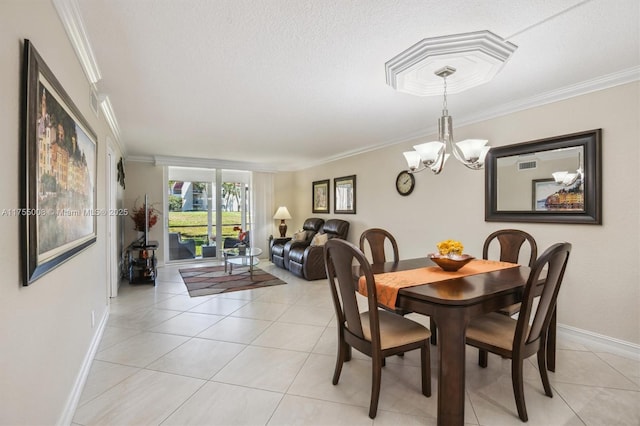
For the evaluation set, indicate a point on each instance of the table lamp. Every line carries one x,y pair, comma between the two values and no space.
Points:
282,213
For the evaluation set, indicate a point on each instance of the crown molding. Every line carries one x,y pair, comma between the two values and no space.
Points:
69,13
605,82
211,163
600,83
110,117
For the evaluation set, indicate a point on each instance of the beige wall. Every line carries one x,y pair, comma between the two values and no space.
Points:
145,178
45,329
601,291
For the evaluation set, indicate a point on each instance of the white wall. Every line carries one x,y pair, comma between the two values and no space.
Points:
45,329
601,290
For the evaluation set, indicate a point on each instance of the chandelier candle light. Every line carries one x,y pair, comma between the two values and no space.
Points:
282,213
433,155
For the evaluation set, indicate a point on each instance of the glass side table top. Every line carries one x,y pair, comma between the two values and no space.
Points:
235,252
248,258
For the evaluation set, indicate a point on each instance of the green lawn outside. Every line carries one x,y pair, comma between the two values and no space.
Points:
193,226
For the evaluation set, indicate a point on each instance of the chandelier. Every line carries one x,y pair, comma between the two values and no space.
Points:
567,179
433,155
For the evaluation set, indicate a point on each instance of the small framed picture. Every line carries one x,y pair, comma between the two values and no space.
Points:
320,196
345,194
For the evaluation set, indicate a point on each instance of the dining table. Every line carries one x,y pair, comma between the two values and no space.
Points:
451,304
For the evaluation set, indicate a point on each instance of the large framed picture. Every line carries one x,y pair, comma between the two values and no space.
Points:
320,196
345,194
548,195
59,168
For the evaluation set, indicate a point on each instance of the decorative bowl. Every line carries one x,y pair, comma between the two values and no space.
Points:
450,263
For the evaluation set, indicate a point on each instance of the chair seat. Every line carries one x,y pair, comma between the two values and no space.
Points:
510,310
493,331
395,330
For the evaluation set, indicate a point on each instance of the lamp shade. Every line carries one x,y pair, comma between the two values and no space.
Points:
413,159
282,213
430,152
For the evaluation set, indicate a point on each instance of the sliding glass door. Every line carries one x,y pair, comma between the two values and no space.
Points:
206,209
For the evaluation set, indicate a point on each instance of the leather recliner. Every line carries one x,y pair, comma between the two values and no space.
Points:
280,247
308,261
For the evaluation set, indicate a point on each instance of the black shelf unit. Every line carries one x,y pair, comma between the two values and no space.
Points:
142,262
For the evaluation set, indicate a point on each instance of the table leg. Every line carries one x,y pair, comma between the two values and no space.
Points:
452,325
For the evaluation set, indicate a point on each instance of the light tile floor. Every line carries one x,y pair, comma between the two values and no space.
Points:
266,357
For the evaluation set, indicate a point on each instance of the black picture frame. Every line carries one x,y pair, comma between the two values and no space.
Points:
587,142
344,198
59,169
321,196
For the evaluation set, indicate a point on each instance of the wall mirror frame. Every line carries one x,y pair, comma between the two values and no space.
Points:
503,186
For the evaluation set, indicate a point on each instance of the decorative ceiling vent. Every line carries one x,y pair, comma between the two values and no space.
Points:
527,165
478,57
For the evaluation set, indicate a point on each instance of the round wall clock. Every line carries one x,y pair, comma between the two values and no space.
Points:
405,182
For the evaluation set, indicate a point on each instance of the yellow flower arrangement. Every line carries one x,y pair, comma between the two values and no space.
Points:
447,247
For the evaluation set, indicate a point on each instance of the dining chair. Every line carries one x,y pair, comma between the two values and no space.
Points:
377,238
376,332
510,243
521,338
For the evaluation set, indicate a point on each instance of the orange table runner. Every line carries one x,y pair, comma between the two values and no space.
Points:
389,283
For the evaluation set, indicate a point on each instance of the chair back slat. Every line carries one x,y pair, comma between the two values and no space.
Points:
377,237
554,262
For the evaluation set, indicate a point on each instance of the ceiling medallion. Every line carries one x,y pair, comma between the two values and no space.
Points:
478,57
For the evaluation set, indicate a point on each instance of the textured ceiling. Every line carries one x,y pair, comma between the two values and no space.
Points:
289,83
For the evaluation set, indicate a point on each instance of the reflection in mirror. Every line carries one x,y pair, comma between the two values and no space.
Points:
527,182
554,180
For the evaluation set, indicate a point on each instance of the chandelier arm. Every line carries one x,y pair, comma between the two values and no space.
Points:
457,152
439,163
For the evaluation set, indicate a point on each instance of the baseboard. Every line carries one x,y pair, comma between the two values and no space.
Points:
600,342
74,397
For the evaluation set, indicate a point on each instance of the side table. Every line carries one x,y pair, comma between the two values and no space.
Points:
248,258
142,262
208,250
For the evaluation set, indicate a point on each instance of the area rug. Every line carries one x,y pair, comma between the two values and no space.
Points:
213,280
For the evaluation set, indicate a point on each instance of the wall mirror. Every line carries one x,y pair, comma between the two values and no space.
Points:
554,180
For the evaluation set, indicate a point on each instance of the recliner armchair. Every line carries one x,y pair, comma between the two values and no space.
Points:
179,249
280,247
307,261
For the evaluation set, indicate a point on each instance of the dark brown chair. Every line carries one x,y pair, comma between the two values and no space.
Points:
511,242
377,237
516,339
376,333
